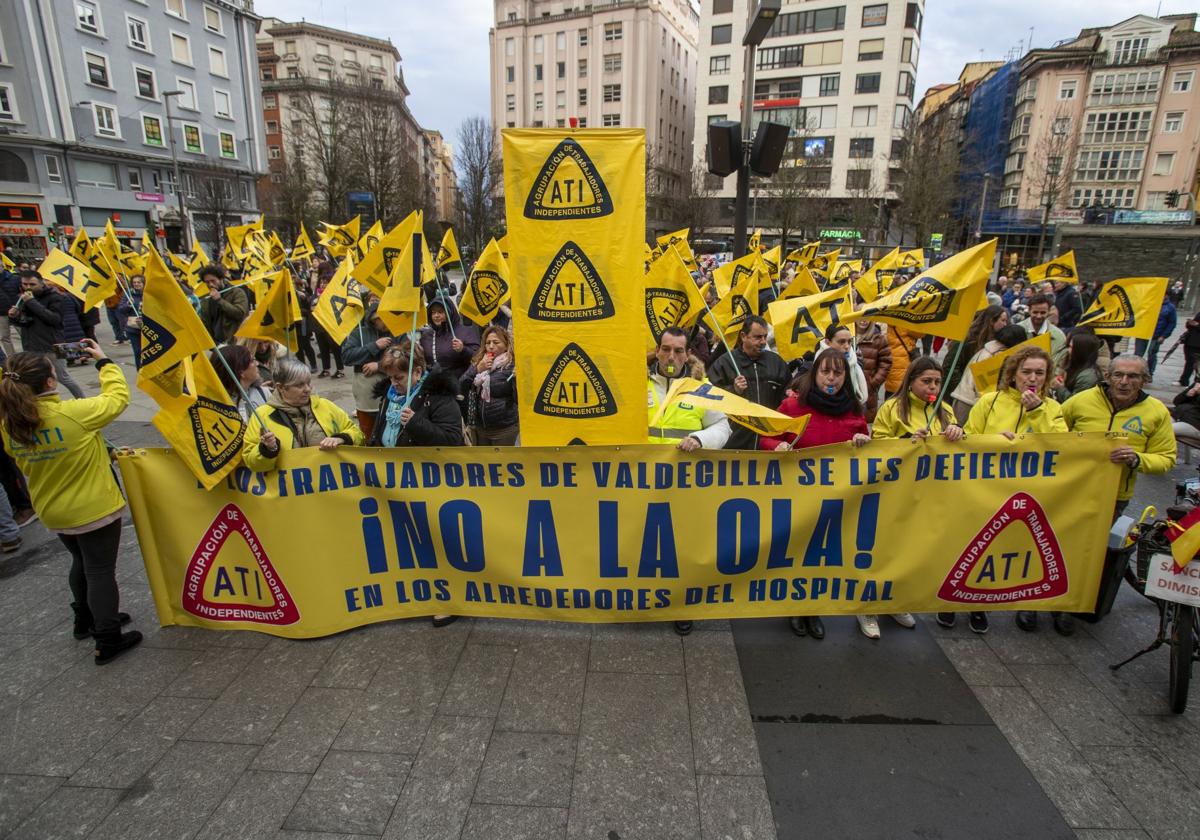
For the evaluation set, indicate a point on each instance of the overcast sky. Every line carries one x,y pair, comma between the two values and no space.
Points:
444,43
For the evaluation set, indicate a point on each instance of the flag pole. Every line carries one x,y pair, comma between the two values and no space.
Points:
238,384
942,391
721,333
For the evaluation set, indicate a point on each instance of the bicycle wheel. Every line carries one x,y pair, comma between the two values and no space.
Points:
1180,634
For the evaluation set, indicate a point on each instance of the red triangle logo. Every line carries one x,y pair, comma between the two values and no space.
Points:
1025,567
242,593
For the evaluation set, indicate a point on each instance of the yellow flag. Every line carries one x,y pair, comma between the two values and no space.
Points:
110,247
147,243
488,286
63,270
338,238
1060,269
733,272
940,301
375,270
987,372
878,278
81,246
672,299
303,249
402,306
276,253
727,317
772,260
757,418
841,271
236,235
171,329
199,258
8,264
803,256
100,272
803,283
180,263
371,238
230,259
679,241
755,242
1184,537
448,251
822,265
339,308
911,259
1129,306
277,313
800,323
198,418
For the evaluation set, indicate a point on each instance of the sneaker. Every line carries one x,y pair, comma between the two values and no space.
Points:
24,517
946,619
906,620
1064,623
869,625
979,622
10,547
682,628
1027,620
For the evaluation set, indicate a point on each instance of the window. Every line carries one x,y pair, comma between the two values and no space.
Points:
293,72
1130,50
146,88
53,169
510,49
908,52
874,15
560,99
539,103
138,31
268,74
611,93
228,146
912,17
612,32
864,116
612,63
350,55
582,100
775,57
1008,196
902,117
187,98
1163,162
93,173
216,62
722,7
152,134
97,69
789,88
212,20
191,139
1131,87
1181,82
1106,197
377,60
134,177
538,44
8,103
905,86
582,68
1110,165
1173,122
610,120
106,120
862,147
273,152
866,83
510,74
324,74
560,70
718,64
560,41
1110,127
718,95
537,72
87,18
800,23
897,149
289,48
1067,88
510,102
858,179
871,50
272,127
181,49
222,105
176,8
822,53
830,85
323,49
583,37
722,34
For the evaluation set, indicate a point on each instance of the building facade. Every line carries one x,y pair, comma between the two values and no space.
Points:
441,175
842,77
605,63
94,98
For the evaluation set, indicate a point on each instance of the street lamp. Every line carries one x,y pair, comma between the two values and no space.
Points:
756,30
183,219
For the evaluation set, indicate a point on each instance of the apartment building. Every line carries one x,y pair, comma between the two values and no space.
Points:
94,98
444,197
601,63
842,76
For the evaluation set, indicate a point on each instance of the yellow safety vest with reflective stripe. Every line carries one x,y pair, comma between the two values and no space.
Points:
678,421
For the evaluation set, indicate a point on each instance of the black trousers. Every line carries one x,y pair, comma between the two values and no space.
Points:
327,346
93,576
14,482
305,349
1190,359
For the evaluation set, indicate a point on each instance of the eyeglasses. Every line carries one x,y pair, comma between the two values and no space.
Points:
1119,375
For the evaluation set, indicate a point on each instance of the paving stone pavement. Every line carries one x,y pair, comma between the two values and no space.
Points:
504,729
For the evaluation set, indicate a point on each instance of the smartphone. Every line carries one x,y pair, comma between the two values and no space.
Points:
71,351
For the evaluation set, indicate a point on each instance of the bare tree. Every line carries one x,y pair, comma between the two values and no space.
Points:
383,158
693,205
213,207
479,182
861,207
798,188
322,138
1047,171
287,198
928,188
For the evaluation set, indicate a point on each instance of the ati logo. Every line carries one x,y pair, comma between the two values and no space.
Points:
1059,271
156,341
488,289
909,261
843,273
571,289
664,308
443,255
1134,426
739,272
218,430
772,266
820,264
574,388
756,423
925,301
390,255
740,310
1114,315
235,581
1004,564
568,187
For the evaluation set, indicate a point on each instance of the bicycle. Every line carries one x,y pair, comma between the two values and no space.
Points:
1147,552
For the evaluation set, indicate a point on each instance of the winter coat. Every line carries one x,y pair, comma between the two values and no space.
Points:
436,420
436,342
10,290
876,358
889,424
1089,377
1069,306
767,380
223,313
334,422
904,346
1002,411
1187,409
1166,321
822,429
40,321
500,411
360,347
1147,423
71,309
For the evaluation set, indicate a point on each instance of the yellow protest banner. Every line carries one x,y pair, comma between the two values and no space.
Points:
822,265
635,533
757,418
727,317
235,235
987,372
488,286
1060,269
303,249
8,264
371,238
800,323
576,203
802,256
772,260
803,283
65,271
448,251
1128,306
878,278
402,306
732,273
672,298
80,246
843,269
754,243
339,308
940,301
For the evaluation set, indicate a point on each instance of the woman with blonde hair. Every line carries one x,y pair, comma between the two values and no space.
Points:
491,391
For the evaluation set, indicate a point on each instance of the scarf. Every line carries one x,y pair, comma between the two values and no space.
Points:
307,431
833,405
396,402
483,381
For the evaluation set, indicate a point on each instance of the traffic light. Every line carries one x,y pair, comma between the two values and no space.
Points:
1172,199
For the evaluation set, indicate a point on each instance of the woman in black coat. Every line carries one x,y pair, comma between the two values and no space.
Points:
491,391
417,411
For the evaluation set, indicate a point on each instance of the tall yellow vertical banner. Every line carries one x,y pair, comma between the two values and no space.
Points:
576,208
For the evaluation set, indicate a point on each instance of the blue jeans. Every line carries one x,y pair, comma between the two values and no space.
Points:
9,530
1140,346
118,327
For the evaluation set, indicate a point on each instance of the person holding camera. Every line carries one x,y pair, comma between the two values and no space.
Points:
38,314
60,448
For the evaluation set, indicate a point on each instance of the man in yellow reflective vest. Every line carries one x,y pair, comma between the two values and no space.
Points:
687,427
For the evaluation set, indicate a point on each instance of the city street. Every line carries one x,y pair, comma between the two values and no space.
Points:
495,729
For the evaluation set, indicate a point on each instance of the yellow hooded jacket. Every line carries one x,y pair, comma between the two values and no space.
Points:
1002,411
70,475
1147,422
329,415
889,424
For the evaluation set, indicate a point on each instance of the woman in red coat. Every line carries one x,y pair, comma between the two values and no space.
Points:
825,394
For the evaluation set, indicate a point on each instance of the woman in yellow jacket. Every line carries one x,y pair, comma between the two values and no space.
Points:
1022,403
295,417
60,448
